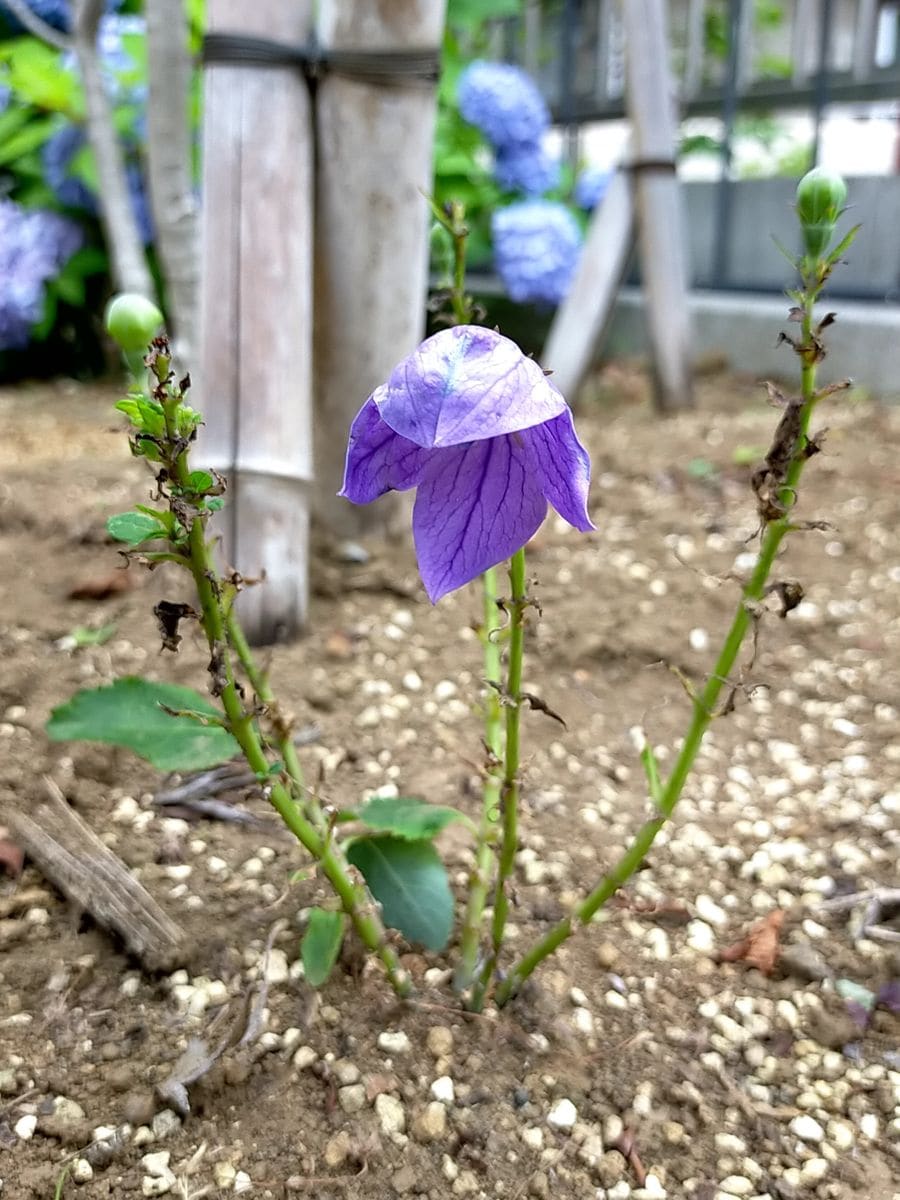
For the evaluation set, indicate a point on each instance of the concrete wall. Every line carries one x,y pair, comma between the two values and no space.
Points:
743,327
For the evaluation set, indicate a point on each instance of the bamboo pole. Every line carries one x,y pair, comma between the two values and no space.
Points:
256,311
582,317
651,107
374,151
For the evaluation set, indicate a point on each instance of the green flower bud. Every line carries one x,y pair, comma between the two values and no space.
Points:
132,321
821,196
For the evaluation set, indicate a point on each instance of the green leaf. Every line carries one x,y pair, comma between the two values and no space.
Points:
215,503
82,636
199,481
127,713
409,880
406,817
134,527
321,945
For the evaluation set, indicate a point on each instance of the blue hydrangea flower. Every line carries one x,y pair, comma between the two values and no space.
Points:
57,13
503,103
590,187
487,441
53,12
34,245
57,154
56,159
536,249
526,168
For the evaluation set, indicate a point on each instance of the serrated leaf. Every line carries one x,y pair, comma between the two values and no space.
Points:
409,880
128,713
321,945
407,817
134,527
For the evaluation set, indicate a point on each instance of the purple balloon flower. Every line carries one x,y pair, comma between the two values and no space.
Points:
485,437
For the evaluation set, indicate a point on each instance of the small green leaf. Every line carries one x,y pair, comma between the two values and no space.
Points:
408,817
128,713
134,527
321,945
409,880
215,503
199,481
82,636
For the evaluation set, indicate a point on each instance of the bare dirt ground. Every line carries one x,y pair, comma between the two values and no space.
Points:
637,1065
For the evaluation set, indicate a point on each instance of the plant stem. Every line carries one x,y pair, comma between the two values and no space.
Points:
509,789
704,703
354,897
284,741
480,878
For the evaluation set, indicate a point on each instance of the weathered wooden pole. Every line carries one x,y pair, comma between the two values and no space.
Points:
256,310
374,151
651,107
584,314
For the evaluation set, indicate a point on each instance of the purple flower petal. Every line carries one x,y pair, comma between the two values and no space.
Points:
476,505
562,467
889,996
466,384
379,460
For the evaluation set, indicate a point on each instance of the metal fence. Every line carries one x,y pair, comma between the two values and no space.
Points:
727,57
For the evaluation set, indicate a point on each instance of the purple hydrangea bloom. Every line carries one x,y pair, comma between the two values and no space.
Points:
56,157
486,439
53,12
526,168
503,103
536,249
34,245
590,187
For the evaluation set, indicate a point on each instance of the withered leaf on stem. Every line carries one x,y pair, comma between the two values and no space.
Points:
169,615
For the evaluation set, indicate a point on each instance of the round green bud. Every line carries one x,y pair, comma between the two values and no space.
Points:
132,321
821,196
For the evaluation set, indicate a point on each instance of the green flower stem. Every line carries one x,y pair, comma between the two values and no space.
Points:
704,703
480,879
284,741
354,897
509,789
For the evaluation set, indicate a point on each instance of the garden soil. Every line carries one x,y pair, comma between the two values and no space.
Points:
637,1063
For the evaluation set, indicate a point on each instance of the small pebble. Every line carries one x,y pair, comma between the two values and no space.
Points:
391,1114
562,1115
431,1124
25,1126
352,1099
442,1089
807,1128
82,1171
439,1041
394,1042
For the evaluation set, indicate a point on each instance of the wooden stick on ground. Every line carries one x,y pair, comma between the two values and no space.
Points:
71,856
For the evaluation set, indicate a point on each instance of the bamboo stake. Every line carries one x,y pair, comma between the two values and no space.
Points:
374,143
256,311
651,106
584,314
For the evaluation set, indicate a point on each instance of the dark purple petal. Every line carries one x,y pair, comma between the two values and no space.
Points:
466,384
562,467
476,505
379,460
